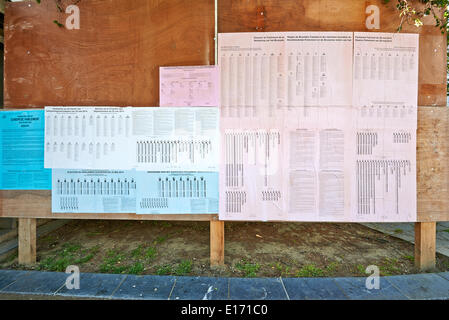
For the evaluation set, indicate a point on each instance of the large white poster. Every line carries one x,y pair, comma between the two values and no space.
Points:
97,138
296,147
87,137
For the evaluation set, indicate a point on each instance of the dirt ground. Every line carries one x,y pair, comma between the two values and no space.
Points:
251,249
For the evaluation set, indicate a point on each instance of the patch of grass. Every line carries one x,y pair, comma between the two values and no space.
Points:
398,231
331,268
361,269
136,268
310,270
143,253
389,266
69,248
160,239
112,263
49,238
150,253
409,258
137,253
165,224
52,264
70,254
445,230
164,270
185,267
282,270
85,259
250,269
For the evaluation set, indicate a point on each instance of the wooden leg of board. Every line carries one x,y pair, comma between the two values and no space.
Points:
27,241
216,243
425,248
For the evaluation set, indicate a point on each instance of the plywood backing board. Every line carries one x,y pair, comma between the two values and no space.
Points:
37,204
432,161
341,15
113,59
432,175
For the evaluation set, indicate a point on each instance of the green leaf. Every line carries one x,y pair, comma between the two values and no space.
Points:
58,23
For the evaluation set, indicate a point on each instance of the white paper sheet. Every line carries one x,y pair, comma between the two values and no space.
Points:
331,159
154,139
262,73
385,69
383,184
189,86
177,192
93,191
176,139
87,137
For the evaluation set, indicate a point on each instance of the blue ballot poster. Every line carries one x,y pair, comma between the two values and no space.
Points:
22,151
176,192
93,191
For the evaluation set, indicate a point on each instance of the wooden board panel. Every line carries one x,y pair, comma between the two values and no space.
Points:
27,241
432,181
217,243
113,59
37,204
425,244
341,15
433,164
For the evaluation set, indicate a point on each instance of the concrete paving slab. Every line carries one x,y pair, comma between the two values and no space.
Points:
256,289
313,289
8,277
37,283
107,286
200,288
445,275
355,289
145,287
421,286
94,285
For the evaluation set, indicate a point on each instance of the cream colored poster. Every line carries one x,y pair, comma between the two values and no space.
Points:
295,146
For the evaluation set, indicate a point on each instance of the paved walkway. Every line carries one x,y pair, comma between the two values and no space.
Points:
110,286
406,231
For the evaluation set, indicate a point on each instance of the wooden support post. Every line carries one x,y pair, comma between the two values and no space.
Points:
425,247
216,243
27,241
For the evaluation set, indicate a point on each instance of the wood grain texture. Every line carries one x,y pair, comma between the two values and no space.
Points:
341,15
113,59
37,204
425,245
217,243
432,181
433,164
27,241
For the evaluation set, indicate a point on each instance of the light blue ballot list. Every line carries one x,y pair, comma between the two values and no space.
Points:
130,191
177,192
93,191
22,151
178,187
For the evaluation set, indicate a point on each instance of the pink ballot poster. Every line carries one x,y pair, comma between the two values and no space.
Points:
189,86
295,146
